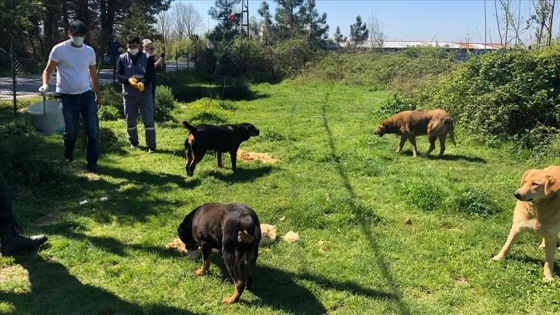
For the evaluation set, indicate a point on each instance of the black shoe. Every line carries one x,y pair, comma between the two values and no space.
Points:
12,241
92,167
69,155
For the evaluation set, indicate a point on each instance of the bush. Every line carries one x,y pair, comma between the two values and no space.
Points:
473,202
112,101
508,94
164,104
396,104
210,111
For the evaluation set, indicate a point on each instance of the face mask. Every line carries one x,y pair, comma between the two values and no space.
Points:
77,41
132,51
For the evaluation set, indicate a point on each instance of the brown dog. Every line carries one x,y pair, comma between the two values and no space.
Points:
222,138
408,124
538,211
232,228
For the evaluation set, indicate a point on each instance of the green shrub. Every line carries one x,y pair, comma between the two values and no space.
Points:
425,196
208,110
475,203
110,113
112,101
164,104
396,104
504,95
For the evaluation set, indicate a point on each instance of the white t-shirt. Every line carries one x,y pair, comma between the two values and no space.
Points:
72,72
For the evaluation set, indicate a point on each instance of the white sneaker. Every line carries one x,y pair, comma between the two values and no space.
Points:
150,150
132,147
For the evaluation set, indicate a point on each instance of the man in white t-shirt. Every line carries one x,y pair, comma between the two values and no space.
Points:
77,88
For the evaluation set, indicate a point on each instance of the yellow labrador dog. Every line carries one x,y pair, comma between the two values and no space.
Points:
408,124
538,211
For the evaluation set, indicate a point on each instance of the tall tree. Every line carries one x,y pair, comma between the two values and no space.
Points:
228,26
15,16
287,19
338,37
544,18
266,25
358,31
187,19
314,24
376,34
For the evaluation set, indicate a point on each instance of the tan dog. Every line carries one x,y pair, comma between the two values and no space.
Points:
434,123
538,211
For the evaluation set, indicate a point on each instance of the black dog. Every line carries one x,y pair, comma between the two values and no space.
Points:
222,138
232,228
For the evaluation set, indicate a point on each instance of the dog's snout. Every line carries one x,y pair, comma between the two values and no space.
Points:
517,194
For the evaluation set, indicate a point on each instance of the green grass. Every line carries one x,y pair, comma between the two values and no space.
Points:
341,188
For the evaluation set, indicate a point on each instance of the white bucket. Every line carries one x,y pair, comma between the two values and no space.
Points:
47,116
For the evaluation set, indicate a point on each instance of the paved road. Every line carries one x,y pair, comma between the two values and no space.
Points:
27,85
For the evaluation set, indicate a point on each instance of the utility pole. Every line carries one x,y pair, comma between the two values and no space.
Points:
245,16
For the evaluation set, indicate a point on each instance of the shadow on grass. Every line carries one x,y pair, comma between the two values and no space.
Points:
445,157
50,284
242,175
363,218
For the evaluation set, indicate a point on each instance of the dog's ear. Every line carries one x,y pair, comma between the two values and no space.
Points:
551,185
527,172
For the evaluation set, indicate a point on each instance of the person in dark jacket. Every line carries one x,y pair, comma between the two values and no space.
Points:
11,239
136,73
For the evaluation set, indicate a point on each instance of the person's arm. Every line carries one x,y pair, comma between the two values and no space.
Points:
120,73
93,78
160,61
150,70
47,74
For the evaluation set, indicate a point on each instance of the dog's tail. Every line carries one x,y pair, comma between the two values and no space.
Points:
451,133
188,126
245,236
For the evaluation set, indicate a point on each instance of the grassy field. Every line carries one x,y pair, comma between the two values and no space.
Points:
379,233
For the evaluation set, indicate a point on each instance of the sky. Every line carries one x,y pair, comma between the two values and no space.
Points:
405,20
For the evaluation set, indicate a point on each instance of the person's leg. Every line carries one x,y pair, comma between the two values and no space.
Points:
147,112
6,215
11,239
88,109
70,111
131,115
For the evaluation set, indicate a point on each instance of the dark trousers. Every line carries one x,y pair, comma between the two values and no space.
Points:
6,215
72,107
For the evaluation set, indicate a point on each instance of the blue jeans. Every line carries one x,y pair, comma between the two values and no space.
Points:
72,107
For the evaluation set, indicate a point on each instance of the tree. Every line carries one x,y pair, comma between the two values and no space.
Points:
288,22
266,25
376,34
136,24
509,20
338,37
15,17
544,18
229,20
358,31
315,24
187,19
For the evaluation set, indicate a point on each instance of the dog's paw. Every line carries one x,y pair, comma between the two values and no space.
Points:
497,257
199,271
229,300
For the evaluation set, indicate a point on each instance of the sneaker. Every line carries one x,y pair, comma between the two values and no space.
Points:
132,147
69,155
151,150
93,168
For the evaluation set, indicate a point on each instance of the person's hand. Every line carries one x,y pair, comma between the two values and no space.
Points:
134,83
137,85
43,89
